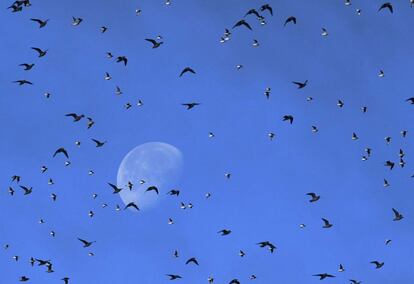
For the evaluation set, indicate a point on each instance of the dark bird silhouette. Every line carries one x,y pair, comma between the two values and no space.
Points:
40,52
291,19
86,243
355,281
115,188
326,223
65,280
63,151
98,143
131,204
16,178
288,118
314,196
23,82
300,84
174,192
234,281
252,12
397,215
388,6
152,188
24,279
27,66
40,22
187,69
377,264
27,190
410,100
224,232
155,44
75,116
266,7
324,276
122,59
268,244
192,260
389,164
174,276
190,105
76,21
242,23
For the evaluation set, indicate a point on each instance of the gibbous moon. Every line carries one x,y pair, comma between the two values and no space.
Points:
158,164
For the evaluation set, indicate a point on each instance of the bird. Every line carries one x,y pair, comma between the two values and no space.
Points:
234,281
65,280
389,164
76,21
131,205
11,191
326,223
40,52
271,135
300,84
354,136
267,93
388,6
174,192
23,82
252,12
224,232
190,105
99,143
27,66
90,122
241,253
341,268
288,118
410,100
377,264
86,243
355,281
16,178
397,215
24,279
42,23
290,19
174,276
186,70
242,23
324,32
152,188
267,244
155,44
266,7
115,188
123,59
75,116
381,74
27,190
63,151
103,29
192,260
340,104
314,196
323,276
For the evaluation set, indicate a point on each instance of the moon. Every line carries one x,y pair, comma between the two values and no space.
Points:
158,164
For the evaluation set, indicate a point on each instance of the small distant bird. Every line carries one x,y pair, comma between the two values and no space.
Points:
341,268
300,84
340,104
118,91
224,232
271,135
234,281
27,190
324,276
381,74
377,264
387,242
242,23
109,55
99,143
241,253
174,192
27,66
315,129
288,118
255,43
107,76
290,19
53,196
122,59
239,66
103,29
358,11
326,223
39,51
24,279
152,188
91,214
76,21
63,151
40,22
389,164
170,221
11,191
16,178
86,243
115,188
388,6
267,244
65,280
324,32
386,183
176,253
266,7
267,93
227,175
190,105
155,44
354,136
75,116
43,169
397,215
364,109
192,260
410,100
173,276
90,122
252,12
131,205
314,196
187,69
355,281
23,82
348,2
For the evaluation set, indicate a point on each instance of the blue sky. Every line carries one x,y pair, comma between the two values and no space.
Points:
265,197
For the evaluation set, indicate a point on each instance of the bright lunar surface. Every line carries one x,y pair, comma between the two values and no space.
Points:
158,164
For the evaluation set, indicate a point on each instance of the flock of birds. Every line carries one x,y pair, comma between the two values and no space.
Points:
261,14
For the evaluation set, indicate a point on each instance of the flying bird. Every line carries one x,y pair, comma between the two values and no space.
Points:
326,223
323,276
23,82
388,6
377,264
98,143
61,151
187,69
290,19
122,59
152,188
192,260
86,243
300,84
115,188
242,23
314,196
40,52
40,22
397,215
266,7
190,105
76,21
27,66
131,204
288,118
155,44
